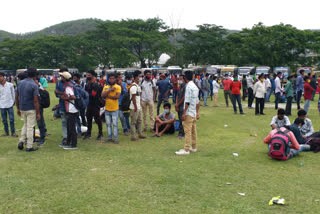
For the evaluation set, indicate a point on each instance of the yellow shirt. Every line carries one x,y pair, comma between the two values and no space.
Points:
112,105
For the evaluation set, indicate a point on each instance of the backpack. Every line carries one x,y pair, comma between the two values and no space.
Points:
279,145
44,98
82,98
126,101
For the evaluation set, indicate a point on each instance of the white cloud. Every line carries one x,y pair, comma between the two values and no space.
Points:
21,16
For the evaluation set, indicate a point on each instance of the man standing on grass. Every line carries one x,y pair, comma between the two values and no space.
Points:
122,118
190,115
205,88
299,87
147,97
93,110
71,111
111,93
59,91
135,106
235,87
278,89
250,83
180,104
7,100
164,87
308,90
27,100
227,91
289,95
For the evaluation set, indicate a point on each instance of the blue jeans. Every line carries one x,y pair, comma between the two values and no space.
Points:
174,96
299,95
112,117
64,124
4,112
205,97
236,98
277,100
269,91
78,124
126,117
307,105
292,152
42,126
123,121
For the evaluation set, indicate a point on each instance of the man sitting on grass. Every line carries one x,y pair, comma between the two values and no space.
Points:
307,128
164,123
280,120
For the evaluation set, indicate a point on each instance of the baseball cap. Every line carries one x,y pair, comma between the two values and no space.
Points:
66,75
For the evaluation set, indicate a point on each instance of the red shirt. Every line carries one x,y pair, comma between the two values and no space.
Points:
235,85
307,91
174,83
226,84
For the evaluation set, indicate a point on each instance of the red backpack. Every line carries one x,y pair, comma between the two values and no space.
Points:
279,145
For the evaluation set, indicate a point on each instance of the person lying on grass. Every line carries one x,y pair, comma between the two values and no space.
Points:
164,123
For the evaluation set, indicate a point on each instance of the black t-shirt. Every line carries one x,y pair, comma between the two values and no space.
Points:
94,91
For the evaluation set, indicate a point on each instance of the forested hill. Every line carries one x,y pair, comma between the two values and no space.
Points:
65,28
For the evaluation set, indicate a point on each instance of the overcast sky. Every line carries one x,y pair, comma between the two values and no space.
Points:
20,16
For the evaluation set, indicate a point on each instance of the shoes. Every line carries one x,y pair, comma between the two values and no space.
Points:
14,135
142,137
63,142
192,150
70,147
262,114
182,152
41,143
116,141
5,135
241,113
20,146
109,141
100,136
179,137
31,149
86,137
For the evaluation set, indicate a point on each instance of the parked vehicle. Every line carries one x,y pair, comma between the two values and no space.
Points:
229,69
262,70
214,70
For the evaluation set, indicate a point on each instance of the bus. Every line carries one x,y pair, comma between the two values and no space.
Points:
285,72
214,70
8,72
175,70
307,70
262,70
229,69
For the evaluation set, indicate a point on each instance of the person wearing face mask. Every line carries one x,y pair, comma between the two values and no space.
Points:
111,93
235,87
135,107
306,129
164,87
164,122
308,90
93,110
179,105
280,120
289,95
259,92
147,97
126,114
205,88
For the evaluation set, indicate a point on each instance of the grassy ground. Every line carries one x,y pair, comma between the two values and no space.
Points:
147,177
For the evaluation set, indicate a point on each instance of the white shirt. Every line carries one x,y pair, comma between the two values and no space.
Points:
147,91
135,89
259,89
71,108
7,95
278,85
280,123
216,86
250,82
191,97
267,84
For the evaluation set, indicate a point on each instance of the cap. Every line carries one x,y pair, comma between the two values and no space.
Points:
66,75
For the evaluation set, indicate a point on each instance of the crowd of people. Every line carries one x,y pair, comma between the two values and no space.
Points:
131,99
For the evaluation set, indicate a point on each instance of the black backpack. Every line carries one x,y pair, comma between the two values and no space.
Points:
126,101
44,98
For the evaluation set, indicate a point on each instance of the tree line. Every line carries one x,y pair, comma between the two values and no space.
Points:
131,42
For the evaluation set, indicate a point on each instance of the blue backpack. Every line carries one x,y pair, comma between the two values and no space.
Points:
82,98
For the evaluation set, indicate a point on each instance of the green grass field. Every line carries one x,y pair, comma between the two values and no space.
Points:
147,177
